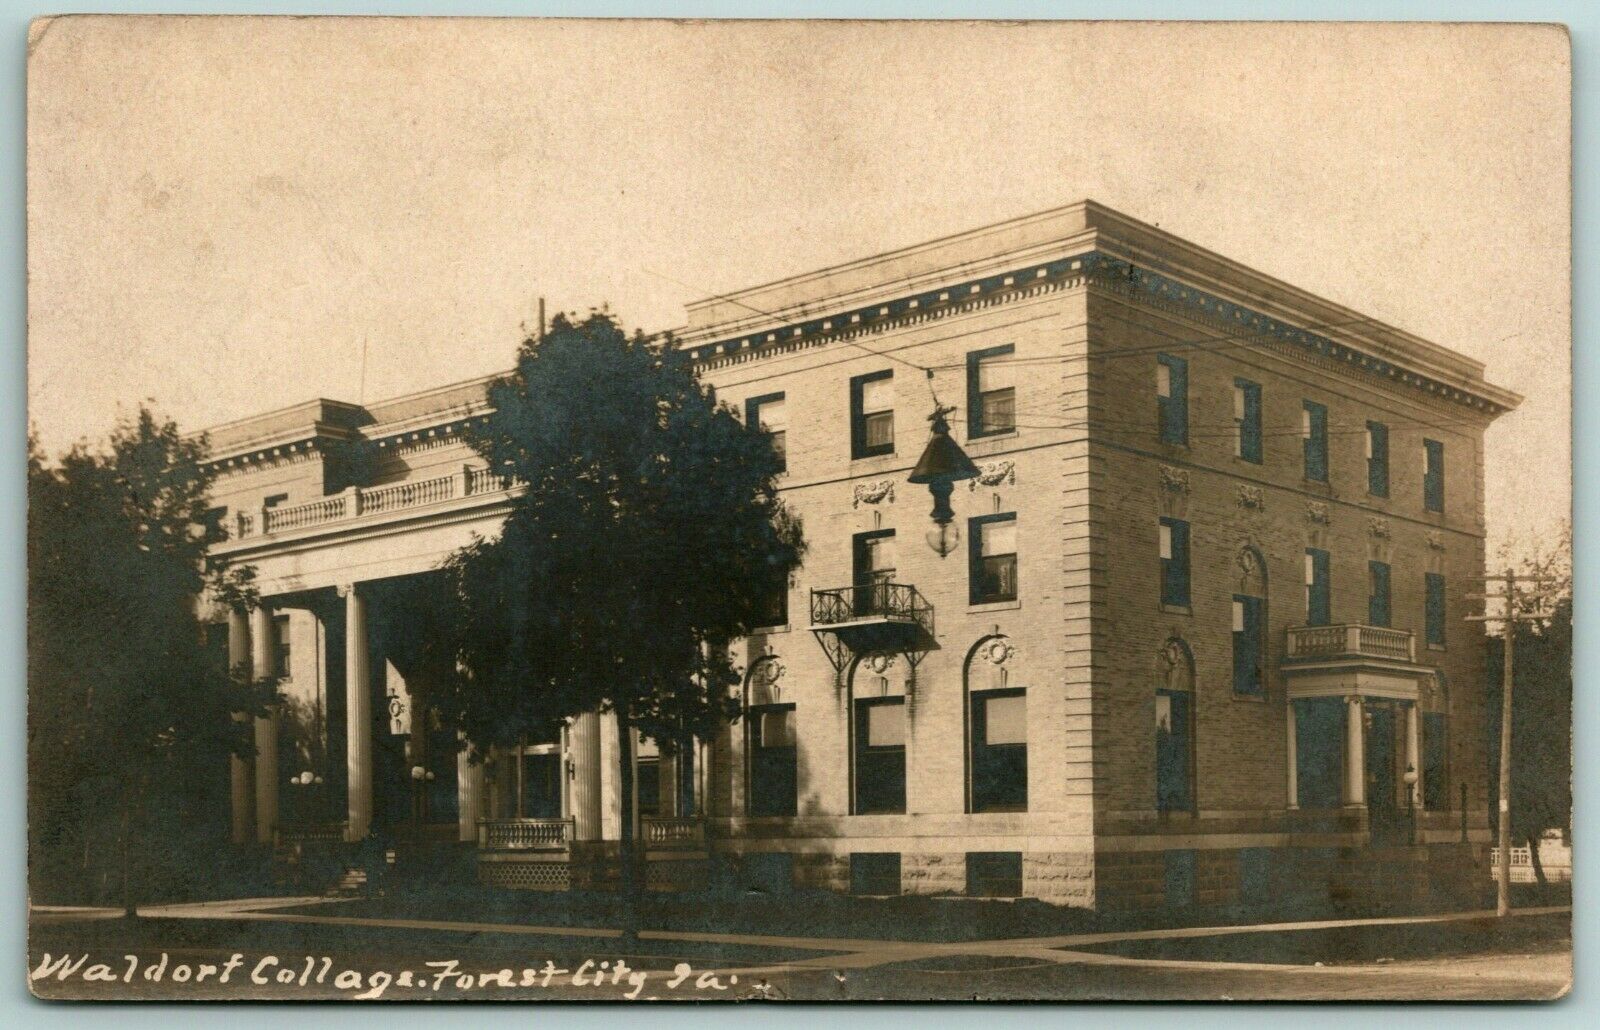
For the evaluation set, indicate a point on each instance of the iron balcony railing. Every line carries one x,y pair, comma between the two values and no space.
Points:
892,602
1351,641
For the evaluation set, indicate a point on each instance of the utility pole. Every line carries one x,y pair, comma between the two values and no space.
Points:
1509,620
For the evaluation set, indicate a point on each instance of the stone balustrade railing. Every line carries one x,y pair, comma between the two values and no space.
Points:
357,502
1351,640
525,834
671,831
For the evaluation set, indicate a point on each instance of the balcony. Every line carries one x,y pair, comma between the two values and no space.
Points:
1352,660
685,832
872,616
1350,641
363,502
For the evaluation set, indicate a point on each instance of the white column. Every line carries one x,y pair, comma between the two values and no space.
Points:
611,779
263,652
1355,754
239,769
1293,758
1413,756
583,772
358,714
469,791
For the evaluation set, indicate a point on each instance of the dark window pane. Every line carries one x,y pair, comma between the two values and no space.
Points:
998,720
880,755
772,760
1319,751
1435,774
1174,562
1433,475
649,783
1434,616
1172,399
1378,593
1377,459
1248,644
1314,431
1174,759
1247,417
875,873
994,874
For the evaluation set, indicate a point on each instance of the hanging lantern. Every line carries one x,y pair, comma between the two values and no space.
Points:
943,464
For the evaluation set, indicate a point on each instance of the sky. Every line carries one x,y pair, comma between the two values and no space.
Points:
228,216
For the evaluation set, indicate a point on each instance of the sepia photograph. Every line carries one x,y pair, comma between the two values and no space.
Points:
537,509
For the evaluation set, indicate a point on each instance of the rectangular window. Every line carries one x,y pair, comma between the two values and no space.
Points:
1377,593
1377,459
1175,562
282,666
880,748
1433,616
1172,399
999,751
1319,751
875,873
1433,475
1314,438
1435,772
1179,879
1249,639
775,609
991,392
872,561
1174,761
992,558
994,874
773,780
1319,602
769,413
872,414
1247,419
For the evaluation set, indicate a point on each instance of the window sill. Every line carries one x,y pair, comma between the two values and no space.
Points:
1177,609
1259,699
875,455
982,438
770,630
993,606
1436,647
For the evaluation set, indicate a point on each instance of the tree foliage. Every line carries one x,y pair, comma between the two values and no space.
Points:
650,533
129,712
1541,717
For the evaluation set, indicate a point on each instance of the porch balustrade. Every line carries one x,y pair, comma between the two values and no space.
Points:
525,834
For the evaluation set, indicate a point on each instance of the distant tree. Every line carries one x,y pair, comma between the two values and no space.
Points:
1541,716
650,534
129,711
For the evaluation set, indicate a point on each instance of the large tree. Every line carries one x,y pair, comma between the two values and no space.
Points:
650,533
1541,716
129,710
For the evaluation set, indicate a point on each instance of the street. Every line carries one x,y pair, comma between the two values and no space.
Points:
304,949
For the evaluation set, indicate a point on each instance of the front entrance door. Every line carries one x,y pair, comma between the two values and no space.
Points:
539,787
1383,799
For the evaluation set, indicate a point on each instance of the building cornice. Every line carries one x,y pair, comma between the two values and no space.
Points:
1097,267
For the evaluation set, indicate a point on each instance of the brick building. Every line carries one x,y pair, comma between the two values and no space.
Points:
1197,634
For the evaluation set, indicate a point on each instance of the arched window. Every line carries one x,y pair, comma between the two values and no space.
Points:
1250,625
997,729
1175,727
878,734
770,744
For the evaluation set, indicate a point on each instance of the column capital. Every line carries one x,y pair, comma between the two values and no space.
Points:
346,589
